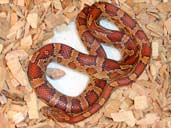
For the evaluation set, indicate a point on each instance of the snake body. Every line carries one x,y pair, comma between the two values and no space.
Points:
104,73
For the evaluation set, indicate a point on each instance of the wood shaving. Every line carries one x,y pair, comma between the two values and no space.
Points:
155,49
150,118
153,70
155,28
140,102
18,117
57,4
17,113
139,1
17,26
3,121
2,77
4,25
20,2
168,25
4,1
16,69
26,42
26,25
32,19
3,100
57,20
20,54
113,106
126,103
41,125
33,106
164,7
125,116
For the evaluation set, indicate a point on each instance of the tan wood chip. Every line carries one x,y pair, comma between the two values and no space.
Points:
26,25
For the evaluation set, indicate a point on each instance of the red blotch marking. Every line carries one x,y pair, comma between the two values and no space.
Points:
131,45
128,21
113,75
34,71
130,60
107,92
110,65
95,13
93,27
86,10
115,36
44,92
100,83
62,103
46,51
95,108
59,59
124,81
81,21
100,52
91,71
111,9
139,68
146,50
76,106
141,35
72,65
91,97
88,37
66,51
86,60
83,13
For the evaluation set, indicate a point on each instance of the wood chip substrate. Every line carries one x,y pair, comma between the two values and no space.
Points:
26,25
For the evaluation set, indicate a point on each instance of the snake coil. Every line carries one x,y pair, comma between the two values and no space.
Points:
105,74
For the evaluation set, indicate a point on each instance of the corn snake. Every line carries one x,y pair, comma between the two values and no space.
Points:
105,73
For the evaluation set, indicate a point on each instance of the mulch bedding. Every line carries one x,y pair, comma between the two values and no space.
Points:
26,25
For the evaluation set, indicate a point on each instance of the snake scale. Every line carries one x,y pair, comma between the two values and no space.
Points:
105,74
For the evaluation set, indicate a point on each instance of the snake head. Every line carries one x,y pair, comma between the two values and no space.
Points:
55,114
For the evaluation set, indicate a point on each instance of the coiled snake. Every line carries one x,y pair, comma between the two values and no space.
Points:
104,73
